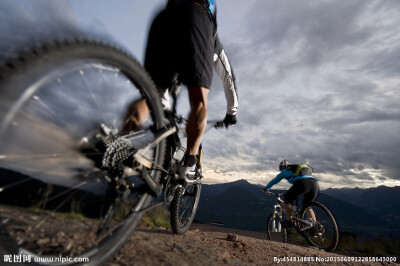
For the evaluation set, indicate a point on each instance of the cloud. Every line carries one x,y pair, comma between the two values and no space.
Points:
319,84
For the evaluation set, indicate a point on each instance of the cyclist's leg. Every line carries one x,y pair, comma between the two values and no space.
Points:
137,114
288,210
310,195
197,121
197,72
311,214
138,111
293,193
290,196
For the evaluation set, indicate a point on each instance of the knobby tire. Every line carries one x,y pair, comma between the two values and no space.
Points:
328,238
21,80
275,236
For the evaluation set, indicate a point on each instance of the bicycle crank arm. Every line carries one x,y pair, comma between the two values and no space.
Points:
307,224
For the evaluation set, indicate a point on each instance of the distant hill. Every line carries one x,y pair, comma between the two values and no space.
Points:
242,205
236,207
217,189
383,201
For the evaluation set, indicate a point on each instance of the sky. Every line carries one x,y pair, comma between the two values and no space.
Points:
318,80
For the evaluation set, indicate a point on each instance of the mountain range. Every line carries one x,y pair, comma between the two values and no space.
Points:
368,213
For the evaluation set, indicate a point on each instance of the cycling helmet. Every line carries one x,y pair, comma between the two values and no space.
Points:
283,165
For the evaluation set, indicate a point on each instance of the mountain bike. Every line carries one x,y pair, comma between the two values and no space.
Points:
72,182
322,233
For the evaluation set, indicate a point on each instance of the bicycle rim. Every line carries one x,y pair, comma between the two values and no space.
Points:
184,206
325,234
54,199
275,231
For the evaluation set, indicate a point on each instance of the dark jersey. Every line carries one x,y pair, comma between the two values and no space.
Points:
209,5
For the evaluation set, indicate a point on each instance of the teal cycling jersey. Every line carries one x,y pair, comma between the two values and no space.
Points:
211,6
288,175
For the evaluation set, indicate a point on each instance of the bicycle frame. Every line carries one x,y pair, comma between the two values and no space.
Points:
278,212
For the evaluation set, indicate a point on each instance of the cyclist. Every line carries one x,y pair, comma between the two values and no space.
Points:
225,71
303,184
183,40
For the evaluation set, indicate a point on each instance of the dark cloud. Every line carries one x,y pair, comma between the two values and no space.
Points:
321,78
318,82
25,24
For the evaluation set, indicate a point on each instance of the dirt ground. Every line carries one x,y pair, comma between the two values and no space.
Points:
212,245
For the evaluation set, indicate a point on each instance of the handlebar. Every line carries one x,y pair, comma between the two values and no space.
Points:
268,192
179,119
219,124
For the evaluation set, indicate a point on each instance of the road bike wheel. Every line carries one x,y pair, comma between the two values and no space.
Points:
184,207
275,230
325,233
54,199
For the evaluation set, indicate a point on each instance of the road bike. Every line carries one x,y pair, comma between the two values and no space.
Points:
72,181
322,233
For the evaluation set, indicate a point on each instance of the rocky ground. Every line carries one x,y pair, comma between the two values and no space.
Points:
212,245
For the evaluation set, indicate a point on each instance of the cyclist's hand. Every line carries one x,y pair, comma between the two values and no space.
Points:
230,120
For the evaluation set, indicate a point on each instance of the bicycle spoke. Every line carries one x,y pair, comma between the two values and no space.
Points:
14,184
34,157
324,232
55,109
187,204
46,218
53,114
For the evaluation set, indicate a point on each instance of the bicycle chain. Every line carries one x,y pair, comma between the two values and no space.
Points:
118,150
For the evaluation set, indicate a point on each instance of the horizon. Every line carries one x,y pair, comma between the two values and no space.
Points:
321,189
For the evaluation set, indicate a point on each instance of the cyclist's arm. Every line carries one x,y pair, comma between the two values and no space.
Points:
283,174
224,70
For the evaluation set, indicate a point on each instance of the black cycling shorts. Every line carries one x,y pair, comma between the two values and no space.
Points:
306,186
181,42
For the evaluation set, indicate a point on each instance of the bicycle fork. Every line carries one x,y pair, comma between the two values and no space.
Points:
278,212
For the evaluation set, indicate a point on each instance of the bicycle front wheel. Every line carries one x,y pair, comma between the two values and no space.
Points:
275,230
55,200
184,207
324,233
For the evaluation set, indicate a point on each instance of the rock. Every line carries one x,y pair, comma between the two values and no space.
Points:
232,237
224,256
60,237
68,246
43,241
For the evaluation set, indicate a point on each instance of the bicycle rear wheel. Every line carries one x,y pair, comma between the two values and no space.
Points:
325,233
275,230
54,199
